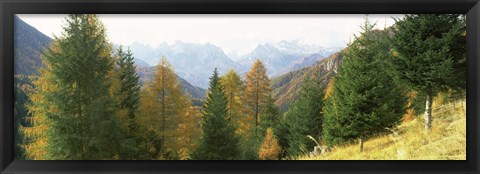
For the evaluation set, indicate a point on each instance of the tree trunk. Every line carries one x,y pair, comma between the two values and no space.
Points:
428,111
360,140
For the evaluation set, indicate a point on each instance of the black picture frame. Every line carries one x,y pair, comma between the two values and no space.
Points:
10,7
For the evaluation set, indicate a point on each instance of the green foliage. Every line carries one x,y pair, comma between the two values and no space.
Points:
249,146
219,140
81,120
269,116
364,101
430,55
22,86
282,131
305,118
128,96
197,102
129,91
431,52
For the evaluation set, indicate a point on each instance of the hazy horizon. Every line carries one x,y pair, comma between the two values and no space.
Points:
234,34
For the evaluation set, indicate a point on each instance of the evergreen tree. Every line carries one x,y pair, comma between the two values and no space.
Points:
256,91
364,101
305,118
129,91
281,129
22,86
128,96
430,54
269,116
79,123
219,140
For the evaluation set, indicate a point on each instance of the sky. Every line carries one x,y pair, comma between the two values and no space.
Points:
233,33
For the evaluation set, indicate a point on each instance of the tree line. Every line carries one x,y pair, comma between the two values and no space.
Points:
87,101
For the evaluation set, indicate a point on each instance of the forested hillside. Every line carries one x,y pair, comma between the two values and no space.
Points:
287,86
91,100
29,44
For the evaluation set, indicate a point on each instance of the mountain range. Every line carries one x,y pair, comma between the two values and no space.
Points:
29,43
195,62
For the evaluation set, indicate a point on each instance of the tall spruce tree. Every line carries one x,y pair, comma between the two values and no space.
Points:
269,116
79,124
219,140
129,90
305,118
128,96
364,101
430,54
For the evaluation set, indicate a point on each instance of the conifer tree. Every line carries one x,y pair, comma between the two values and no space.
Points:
129,90
305,118
162,107
35,135
78,122
364,101
22,87
430,55
189,132
257,90
127,93
219,140
233,87
269,116
269,150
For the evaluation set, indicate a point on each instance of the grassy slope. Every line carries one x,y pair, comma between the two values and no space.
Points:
446,141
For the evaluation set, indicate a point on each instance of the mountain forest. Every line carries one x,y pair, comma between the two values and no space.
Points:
392,93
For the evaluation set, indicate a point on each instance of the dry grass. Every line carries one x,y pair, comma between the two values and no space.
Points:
445,141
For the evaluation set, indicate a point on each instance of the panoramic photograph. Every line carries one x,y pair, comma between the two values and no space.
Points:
240,87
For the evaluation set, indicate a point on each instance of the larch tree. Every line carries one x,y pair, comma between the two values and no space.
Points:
430,55
162,106
305,118
233,87
189,131
219,140
257,90
35,135
78,122
364,101
270,149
